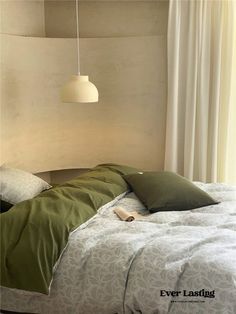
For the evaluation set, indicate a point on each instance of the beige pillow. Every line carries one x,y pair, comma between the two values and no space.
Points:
18,185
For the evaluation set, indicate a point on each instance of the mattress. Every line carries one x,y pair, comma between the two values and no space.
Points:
167,262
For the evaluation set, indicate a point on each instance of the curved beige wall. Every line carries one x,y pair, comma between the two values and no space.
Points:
39,133
22,17
106,18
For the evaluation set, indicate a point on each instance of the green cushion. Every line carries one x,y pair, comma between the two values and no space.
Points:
167,191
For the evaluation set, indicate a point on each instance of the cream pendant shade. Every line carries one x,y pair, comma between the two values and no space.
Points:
79,89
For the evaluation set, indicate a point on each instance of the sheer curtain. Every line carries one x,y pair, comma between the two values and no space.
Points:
230,164
201,113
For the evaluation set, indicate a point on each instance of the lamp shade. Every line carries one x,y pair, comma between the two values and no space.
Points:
79,89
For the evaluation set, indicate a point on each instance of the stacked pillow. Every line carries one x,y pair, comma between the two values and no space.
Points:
167,191
17,186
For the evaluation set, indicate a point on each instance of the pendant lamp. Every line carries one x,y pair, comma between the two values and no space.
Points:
79,89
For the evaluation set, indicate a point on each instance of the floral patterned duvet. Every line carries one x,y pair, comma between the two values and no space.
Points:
167,262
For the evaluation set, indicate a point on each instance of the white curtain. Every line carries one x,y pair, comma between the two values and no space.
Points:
200,123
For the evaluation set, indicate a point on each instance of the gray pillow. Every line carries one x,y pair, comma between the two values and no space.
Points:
18,185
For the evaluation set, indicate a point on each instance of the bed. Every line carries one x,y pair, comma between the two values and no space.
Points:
165,262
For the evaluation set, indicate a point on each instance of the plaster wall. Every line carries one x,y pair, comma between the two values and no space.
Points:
40,133
123,50
22,17
106,18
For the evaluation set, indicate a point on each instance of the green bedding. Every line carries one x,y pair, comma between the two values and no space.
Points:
35,232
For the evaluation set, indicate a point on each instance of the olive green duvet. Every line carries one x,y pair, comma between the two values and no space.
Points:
35,232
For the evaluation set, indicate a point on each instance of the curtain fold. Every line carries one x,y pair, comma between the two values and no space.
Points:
200,58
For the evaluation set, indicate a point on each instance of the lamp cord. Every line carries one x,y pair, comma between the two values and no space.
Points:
77,34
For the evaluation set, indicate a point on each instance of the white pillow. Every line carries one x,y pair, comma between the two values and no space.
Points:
18,185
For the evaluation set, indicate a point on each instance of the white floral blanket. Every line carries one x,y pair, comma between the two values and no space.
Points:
173,262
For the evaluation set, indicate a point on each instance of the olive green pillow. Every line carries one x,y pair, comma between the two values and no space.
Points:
166,191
